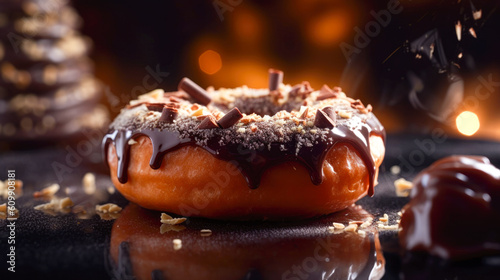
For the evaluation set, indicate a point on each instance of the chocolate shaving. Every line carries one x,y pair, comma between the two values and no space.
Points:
303,90
230,118
322,120
196,92
326,92
357,104
157,107
275,79
208,123
168,114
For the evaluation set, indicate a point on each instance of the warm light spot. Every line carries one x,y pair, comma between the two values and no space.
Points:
210,62
328,29
467,123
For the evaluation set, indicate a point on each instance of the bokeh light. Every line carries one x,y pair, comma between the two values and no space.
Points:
210,62
467,123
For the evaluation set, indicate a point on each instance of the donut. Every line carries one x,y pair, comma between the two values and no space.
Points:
278,153
234,251
453,210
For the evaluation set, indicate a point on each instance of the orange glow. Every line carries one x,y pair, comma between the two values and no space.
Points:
467,123
329,28
210,62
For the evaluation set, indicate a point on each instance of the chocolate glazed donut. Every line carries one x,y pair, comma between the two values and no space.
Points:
454,212
273,130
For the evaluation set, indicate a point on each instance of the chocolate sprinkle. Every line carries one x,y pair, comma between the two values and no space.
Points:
275,79
322,120
208,123
196,92
230,118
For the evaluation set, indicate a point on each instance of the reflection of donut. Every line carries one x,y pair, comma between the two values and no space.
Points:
455,209
270,251
171,154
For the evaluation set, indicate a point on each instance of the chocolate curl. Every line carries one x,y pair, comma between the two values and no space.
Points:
275,79
208,123
230,118
168,114
322,120
326,92
196,92
357,104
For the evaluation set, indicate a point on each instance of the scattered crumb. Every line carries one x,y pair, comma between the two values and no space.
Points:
48,191
388,227
206,232
132,142
395,169
351,228
362,233
177,244
111,190
338,226
166,228
403,187
88,183
108,208
108,216
366,224
56,206
167,219
400,213
384,219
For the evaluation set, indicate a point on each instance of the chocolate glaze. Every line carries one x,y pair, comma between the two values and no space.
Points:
252,163
455,209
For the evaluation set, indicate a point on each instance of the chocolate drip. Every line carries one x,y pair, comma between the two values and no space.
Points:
253,163
454,210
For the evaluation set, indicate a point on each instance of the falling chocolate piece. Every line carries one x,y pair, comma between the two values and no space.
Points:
155,107
275,79
322,120
326,92
208,123
168,114
196,92
230,118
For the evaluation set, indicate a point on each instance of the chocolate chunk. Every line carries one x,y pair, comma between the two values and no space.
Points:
208,123
322,120
196,92
157,107
330,112
327,92
230,118
275,79
168,114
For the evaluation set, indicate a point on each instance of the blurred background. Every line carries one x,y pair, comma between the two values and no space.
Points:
422,64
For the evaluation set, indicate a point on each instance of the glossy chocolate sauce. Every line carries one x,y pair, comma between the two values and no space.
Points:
455,209
252,163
